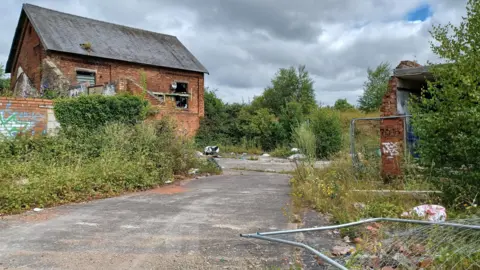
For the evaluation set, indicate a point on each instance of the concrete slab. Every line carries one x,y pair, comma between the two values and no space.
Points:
268,164
192,226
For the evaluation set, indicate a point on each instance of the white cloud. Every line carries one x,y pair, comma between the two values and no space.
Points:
243,43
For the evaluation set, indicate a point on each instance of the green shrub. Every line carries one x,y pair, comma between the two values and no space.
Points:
447,117
281,152
93,111
305,140
326,125
80,164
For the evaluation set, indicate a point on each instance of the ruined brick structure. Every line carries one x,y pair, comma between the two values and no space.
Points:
408,78
74,55
26,116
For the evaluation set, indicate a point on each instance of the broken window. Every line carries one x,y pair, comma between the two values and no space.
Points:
181,95
86,77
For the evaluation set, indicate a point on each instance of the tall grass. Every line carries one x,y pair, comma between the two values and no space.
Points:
80,164
305,140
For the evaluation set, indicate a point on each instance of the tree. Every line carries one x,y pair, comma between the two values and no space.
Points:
212,124
446,117
289,85
4,81
342,105
375,87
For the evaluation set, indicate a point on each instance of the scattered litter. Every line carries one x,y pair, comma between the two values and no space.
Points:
193,171
295,150
266,155
359,206
37,209
296,156
342,250
336,232
168,182
431,212
357,240
211,150
347,239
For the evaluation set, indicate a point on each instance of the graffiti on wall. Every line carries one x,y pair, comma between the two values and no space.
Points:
14,122
390,149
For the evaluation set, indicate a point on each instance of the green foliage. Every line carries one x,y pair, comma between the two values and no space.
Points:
289,85
4,81
268,121
93,111
326,125
375,88
343,105
447,115
282,152
306,141
81,164
221,122
265,129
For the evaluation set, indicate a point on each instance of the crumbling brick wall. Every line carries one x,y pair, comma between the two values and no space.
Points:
27,116
128,77
393,130
29,56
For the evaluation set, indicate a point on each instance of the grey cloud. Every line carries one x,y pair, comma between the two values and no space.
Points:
243,43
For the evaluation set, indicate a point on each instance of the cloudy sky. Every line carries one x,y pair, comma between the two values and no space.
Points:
244,42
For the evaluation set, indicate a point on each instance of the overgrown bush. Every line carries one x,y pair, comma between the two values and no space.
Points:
81,164
326,125
92,111
447,116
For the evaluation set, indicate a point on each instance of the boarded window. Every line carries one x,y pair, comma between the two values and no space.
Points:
86,77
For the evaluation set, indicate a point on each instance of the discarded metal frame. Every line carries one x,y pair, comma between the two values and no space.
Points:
353,153
265,235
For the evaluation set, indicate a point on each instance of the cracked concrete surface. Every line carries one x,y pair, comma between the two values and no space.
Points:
195,226
269,164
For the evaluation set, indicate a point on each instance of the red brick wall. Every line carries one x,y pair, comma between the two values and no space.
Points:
29,56
158,80
25,115
392,133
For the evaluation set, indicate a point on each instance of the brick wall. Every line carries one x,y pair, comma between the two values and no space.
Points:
392,133
26,115
158,80
29,56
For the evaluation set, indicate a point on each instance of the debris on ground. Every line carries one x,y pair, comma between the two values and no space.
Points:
359,206
193,171
295,150
37,209
266,155
296,156
211,150
431,212
342,250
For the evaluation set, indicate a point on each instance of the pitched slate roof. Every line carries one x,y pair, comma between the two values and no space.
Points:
64,32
